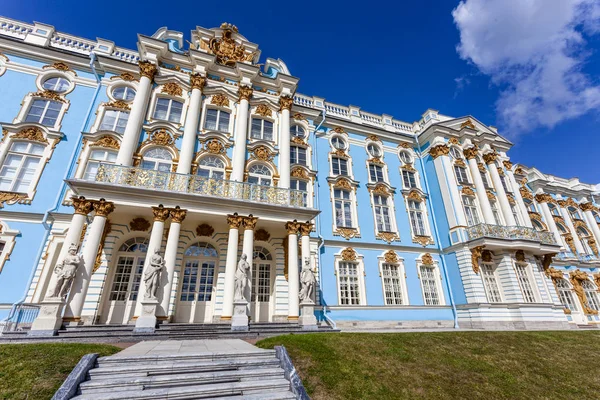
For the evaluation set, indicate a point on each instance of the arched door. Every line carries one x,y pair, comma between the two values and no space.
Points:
126,281
196,293
262,276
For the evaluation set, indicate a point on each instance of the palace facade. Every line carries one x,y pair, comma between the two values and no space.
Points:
201,154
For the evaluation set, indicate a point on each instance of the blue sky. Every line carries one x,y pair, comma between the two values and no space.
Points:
529,67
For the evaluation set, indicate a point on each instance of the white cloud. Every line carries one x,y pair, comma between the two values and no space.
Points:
534,50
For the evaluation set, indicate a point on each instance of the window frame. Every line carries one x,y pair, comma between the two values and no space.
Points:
352,200
362,295
438,282
262,129
424,217
119,112
399,264
340,159
377,168
297,157
170,99
219,111
472,207
463,174
526,267
389,204
8,237
483,266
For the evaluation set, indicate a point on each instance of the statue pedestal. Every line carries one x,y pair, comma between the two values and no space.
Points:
239,320
146,322
49,319
307,319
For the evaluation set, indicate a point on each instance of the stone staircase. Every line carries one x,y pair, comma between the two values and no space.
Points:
250,375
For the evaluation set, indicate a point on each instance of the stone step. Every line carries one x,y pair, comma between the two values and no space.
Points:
287,395
164,381
178,367
204,356
210,391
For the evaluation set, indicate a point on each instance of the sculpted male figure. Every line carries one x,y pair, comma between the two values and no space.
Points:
65,271
152,275
307,282
241,278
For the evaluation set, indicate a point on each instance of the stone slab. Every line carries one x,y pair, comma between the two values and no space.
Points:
187,347
69,387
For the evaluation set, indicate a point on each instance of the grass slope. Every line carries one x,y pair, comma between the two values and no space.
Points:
446,365
36,371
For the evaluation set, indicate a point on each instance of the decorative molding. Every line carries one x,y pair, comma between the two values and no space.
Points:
299,172
299,117
520,256
460,163
486,256
593,245
408,167
61,66
197,81
249,222
439,150
103,207
107,142
391,257
526,194
215,146
373,138
119,104
126,76
491,196
12,198
107,229
507,164
568,203
554,274
470,152
160,137
226,50
244,93
500,171
160,213
262,153
262,235
544,198
339,129
467,124
511,198
81,205
490,158
589,206
147,69
467,191
205,230
177,214
234,221
343,183
576,277
570,242
405,145
263,110
414,195
481,167
547,261
476,253
33,133
347,233
220,100
172,88
349,254
454,140
423,240
380,189
388,237
139,224
285,103
426,259
306,228
50,95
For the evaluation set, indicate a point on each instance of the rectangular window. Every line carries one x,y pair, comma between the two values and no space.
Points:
216,120
429,283
416,218
298,155
339,166
168,110
2,244
513,209
470,210
525,284
491,284
114,120
261,129
375,173
343,208
495,212
43,112
484,178
408,179
392,286
461,174
348,279
18,169
97,157
382,214
296,184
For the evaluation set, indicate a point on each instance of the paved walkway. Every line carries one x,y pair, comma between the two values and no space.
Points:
158,347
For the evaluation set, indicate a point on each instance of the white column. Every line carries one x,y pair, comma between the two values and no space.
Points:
591,221
567,217
284,141
177,217
158,227
82,208
234,221
445,173
131,135
484,202
81,282
293,272
490,160
542,200
190,130
240,136
521,208
248,224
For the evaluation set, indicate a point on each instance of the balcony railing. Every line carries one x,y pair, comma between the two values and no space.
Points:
181,183
509,232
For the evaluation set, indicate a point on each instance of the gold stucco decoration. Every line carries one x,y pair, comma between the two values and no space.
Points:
426,259
415,196
390,256
172,88
467,124
423,240
161,137
197,81
244,93
348,254
50,95
576,277
264,110
34,134
263,153
147,69
439,150
490,158
285,103
380,189
544,198
347,233
299,117
526,194
220,100
467,191
12,198
225,48
299,172
262,235
388,237
470,152
342,183
120,104
215,146
107,142
139,224
205,230
476,253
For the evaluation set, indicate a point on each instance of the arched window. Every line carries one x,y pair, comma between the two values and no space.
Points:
211,167
124,93
596,216
553,209
96,157
574,212
216,120
584,235
405,157
199,272
114,120
530,205
338,143
455,153
496,212
56,84
18,170
261,129
591,293
260,174
44,112
168,110
158,159
565,294
129,268
537,225
297,132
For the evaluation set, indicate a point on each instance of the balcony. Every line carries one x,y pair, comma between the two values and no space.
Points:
170,182
509,233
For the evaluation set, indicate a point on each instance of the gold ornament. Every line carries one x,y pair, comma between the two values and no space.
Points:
177,214
244,93
299,117
215,146
520,256
285,103
405,145
249,223
262,235
526,194
161,137
490,158
120,104
511,198
426,259
460,163
172,88
160,213
481,167
126,76
306,228
453,140
220,100
554,274
139,224
339,129
347,233
547,260
226,50
388,237
439,150
467,191
61,66
486,256
380,189
34,134
234,221
415,196
390,256
197,81
299,172
577,277
49,94
205,230
147,69
349,254
544,198
342,183
103,207
292,227
107,142
507,164
476,253
12,198
491,196
81,205
423,240
471,152
262,153
467,124
263,110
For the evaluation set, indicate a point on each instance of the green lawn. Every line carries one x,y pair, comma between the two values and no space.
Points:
36,371
446,365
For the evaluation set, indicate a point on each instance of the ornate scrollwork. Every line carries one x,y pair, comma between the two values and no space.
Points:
423,240
426,259
388,237
347,233
139,224
147,69
107,142
467,191
293,227
244,93
439,150
507,164
160,213
262,235
380,189
119,104
172,88
554,274
306,228
339,129
82,206
160,137
568,203
220,100
33,133
103,207
415,196
197,81
349,254
405,145
544,198
205,230
500,171
285,103
520,256
460,163
511,198
299,172
299,117
215,146
264,110
491,196
390,256
12,198
577,277
570,242
476,253
61,66
592,243
373,138
262,153
526,194
486,256
249,222
226,50
234,221
408,167
177,214
468,124
597,280
481,167
343,183
470,152
453,140
49,94
126,76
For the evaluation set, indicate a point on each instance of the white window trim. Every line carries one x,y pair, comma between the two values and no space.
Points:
206,106
438,282
308,155
498,282
341,136
384,172
349,165
530,277
425,217
54,73
403,285
154,99
102,109
475,204
354,209
119,83
392,207
470,179
3,61
8,236
84,157
417,178
361,280
28,102
274,121
309,189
